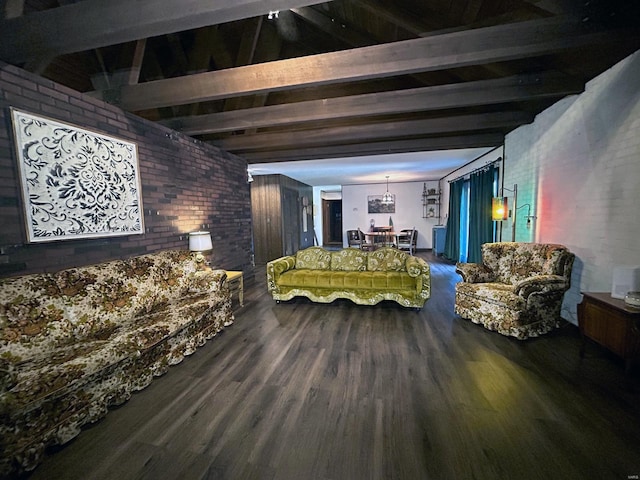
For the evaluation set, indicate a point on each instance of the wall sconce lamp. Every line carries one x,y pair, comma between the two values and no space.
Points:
528,216
200,242
387,198
249,176
499,209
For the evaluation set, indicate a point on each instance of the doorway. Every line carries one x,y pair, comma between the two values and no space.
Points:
332,222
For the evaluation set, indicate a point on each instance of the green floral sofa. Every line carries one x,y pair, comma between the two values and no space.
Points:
517,290
366,278
75,342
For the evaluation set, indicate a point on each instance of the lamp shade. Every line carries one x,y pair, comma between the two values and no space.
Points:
499,209
200,241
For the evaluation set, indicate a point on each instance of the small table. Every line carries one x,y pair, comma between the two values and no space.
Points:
611,323
235,280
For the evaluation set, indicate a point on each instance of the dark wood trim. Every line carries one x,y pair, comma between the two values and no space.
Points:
483,92
451,50
97,23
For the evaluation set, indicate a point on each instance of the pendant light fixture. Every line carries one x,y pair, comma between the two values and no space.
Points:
387,198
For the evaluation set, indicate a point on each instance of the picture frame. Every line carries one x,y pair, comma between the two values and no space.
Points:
75,183
375,205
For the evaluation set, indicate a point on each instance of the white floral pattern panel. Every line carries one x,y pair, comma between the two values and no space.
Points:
76,183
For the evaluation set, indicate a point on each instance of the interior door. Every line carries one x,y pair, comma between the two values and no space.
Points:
332,222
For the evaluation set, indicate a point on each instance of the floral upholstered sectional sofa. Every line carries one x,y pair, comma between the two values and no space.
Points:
518,288
366,278
75,342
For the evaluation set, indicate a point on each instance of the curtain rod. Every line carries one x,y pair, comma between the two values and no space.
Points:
474,160
479,169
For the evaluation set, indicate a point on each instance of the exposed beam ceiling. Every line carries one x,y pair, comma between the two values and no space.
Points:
98,23
332,79
459,95
452,50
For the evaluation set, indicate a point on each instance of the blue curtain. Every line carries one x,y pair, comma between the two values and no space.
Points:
481,190
464,222
452,238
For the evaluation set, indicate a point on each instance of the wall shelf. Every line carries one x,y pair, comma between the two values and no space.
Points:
430,202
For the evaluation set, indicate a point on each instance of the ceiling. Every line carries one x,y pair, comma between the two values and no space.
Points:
399,167
344,81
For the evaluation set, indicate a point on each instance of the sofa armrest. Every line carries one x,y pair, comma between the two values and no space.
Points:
202,281
416,266
540,284
420,269
277,267
475,273
219,277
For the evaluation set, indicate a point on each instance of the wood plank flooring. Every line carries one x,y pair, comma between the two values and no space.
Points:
299,390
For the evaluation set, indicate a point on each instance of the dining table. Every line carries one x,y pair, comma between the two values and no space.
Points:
383,238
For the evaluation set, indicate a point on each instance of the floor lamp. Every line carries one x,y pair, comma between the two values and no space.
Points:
500,210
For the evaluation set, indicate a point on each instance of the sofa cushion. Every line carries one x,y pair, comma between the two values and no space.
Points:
349,260
513,262
498,257
386,259
348,280
498,294
313,258
33,317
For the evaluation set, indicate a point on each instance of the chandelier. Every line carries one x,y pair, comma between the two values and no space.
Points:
387,198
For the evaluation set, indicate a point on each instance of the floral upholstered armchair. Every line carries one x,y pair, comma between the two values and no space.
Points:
518,288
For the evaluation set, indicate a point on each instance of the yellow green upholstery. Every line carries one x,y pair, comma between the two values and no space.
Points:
517,290
366,278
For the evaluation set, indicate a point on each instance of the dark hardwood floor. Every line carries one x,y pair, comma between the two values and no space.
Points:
299,390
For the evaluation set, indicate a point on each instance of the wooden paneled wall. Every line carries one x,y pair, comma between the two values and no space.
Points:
277,209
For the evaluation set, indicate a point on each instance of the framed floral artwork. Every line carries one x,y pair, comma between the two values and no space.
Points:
75,183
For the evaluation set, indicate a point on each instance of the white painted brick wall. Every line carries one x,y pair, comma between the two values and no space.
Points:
578,165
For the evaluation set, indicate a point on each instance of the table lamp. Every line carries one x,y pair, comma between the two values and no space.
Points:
200,242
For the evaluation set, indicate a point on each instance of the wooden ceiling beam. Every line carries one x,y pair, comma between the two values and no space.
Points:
93,24
484,92
268,46
136,62
241,144
330,27
460,49
396,16
378,148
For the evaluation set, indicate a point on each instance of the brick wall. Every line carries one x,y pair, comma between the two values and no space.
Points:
187,185
578,165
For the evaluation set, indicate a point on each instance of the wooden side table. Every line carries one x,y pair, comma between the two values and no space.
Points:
235,281
611,323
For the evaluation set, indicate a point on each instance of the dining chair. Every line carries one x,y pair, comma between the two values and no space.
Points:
407,239
355,238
